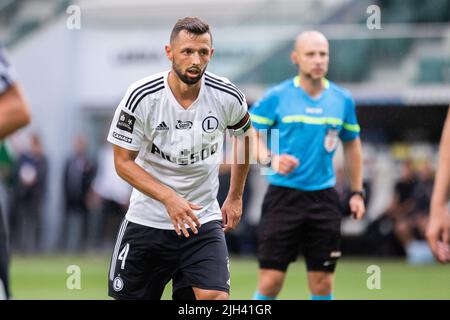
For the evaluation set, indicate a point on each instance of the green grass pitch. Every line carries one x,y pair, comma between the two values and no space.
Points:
45,277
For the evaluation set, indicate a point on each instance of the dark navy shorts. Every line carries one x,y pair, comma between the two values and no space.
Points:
296,221
145,259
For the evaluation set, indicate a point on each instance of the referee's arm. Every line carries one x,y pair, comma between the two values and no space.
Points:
353,164
14,112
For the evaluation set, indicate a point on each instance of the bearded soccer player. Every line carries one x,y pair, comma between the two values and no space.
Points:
167,134
301,207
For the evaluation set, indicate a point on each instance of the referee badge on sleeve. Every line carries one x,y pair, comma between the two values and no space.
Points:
331,139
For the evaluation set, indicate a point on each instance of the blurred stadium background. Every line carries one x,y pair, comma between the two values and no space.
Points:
75,60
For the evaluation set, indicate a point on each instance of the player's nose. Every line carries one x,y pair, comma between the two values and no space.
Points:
195,60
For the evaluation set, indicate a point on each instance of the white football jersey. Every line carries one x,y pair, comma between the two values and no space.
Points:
7,74
181,148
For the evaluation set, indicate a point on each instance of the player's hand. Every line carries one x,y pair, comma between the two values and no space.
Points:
357,206
284,163
438,232
231,213
181,213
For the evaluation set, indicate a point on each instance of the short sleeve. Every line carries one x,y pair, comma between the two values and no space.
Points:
350,127
263,112
7,75
239,121
127,127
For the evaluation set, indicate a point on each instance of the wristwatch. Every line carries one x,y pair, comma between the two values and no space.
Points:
267,163
361,193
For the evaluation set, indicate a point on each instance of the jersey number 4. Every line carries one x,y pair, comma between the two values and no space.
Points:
123,255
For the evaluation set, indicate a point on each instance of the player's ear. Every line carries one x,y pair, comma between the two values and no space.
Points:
294,57
169,53
212,52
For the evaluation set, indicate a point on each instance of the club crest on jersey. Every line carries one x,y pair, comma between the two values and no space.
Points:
117,284
183,125
210,124
331,139
126,122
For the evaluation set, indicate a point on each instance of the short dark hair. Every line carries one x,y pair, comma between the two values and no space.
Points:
192,25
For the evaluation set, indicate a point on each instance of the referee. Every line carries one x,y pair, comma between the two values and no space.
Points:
13,115
300,209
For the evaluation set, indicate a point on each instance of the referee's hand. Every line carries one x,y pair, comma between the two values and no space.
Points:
284,163
357,206
182,215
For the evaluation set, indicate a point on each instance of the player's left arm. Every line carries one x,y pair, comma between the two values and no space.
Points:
232,207
353,160
438,229
353,164
240,128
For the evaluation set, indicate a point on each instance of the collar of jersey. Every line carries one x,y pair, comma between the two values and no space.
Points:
325,83
175,101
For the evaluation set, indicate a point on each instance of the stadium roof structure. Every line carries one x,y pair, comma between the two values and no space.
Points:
216,12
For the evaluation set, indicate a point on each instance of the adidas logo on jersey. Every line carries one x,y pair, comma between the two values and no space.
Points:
162,126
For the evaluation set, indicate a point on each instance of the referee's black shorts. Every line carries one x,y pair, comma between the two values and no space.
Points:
145,259
293,220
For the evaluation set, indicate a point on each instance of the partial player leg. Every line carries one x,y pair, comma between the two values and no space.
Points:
320,284
204,267
202,294
321,242
270,282
143,262
4,259
278,238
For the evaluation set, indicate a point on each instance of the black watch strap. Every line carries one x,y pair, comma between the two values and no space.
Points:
361,193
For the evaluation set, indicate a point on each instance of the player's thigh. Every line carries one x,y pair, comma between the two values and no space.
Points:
204,261
280,227
142,263
322,233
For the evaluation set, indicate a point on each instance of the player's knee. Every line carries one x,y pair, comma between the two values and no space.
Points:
270,286
211,295
321,286
219,295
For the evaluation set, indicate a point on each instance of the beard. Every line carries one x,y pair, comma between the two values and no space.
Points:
184,77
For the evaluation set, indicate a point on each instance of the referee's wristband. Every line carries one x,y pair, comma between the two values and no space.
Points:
266,164
361,193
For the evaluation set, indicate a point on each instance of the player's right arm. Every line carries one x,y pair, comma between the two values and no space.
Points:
14,112
438,230
180,211
263,115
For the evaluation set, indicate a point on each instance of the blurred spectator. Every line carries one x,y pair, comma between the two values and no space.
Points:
403,202
385,235
110,196
79,173
411,214
410,227
29,193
